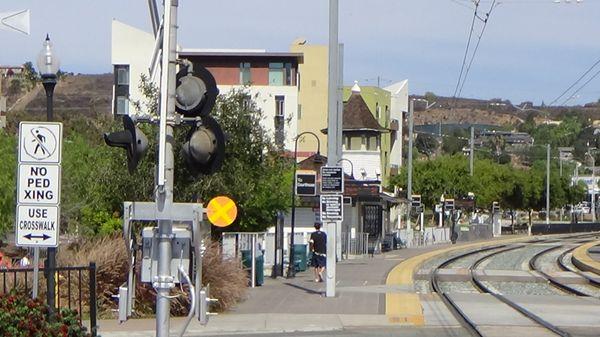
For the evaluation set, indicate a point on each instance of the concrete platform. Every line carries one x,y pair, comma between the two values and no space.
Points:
583,260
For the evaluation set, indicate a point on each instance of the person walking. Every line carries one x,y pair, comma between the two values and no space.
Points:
318,247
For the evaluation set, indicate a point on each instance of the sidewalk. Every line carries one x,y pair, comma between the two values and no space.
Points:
298,304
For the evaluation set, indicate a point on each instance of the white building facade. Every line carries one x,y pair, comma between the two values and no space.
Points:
269,79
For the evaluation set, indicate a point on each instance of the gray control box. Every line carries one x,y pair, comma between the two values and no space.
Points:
181,243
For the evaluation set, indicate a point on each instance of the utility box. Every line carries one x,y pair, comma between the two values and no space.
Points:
181,250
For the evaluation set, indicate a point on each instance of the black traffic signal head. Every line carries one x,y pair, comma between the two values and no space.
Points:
416,200
196,92
204,151
132,139
448,204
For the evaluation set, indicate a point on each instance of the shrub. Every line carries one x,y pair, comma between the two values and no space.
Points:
25,317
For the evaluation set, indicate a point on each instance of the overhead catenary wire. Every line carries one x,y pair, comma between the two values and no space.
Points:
464,61
575,83
485,22
581,87
465,68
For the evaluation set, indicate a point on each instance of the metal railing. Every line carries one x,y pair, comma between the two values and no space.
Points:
74,279
357,244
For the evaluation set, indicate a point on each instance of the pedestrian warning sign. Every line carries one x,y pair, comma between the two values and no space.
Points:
38,189
40,142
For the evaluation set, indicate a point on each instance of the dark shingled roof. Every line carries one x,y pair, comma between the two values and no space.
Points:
357,115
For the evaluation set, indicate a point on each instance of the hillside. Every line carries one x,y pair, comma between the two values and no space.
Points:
494,112
88,95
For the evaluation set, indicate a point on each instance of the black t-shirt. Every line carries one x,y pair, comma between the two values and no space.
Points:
319,242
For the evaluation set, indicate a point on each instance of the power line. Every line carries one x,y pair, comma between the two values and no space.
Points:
575,83
487,16
464,61
582,86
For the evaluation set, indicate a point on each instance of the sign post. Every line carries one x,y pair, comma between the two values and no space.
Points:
332,206
38,190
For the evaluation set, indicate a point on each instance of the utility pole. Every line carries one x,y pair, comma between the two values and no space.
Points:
334,141
440,140
471,150
593,188
164,189
548,184
411,107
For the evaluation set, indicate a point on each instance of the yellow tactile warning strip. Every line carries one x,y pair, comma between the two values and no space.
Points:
581,255
406,308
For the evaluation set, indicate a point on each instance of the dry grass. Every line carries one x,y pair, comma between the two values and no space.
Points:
110,256
228,281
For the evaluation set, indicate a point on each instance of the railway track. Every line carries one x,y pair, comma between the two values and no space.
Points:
481,286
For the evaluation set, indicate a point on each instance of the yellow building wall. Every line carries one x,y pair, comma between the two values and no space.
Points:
312,96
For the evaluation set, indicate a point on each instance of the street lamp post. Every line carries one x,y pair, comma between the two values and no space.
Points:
291,268
351,166
48,65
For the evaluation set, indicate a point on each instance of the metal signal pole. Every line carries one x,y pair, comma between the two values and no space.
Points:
548,184
411,109
164,188
334,133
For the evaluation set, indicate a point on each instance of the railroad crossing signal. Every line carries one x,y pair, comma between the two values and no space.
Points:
416,200
132,139
221,211
448,204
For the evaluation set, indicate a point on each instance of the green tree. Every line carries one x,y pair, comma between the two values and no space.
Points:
254,174
30,75
426,144
8,167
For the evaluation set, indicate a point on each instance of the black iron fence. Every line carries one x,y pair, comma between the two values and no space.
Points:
75,288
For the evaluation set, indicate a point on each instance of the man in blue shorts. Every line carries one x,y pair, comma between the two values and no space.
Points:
318,246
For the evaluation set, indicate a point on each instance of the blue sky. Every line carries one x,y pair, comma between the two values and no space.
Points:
531,49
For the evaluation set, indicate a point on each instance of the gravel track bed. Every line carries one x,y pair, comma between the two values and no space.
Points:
515,259
548,262
458,287
521,288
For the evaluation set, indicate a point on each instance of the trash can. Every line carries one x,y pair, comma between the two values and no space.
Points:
300,257
259,276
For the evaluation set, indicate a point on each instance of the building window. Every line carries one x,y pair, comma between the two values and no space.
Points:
245,75
279,120
355,143
121,89
387,116
246,101
279,105
280,73
123,75
371,143
276,73
122,105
